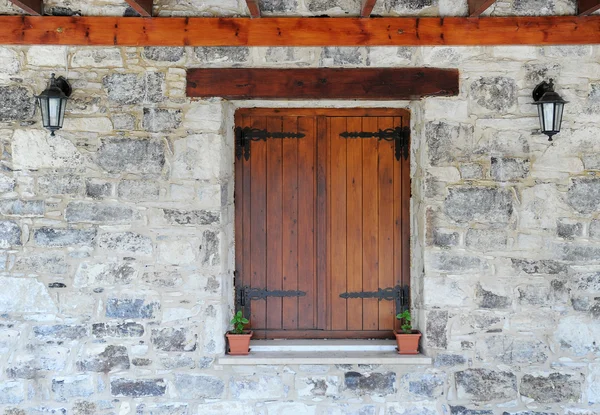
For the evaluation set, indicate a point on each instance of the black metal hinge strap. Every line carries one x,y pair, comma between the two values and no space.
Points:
398,294
246,294
243,137
399,135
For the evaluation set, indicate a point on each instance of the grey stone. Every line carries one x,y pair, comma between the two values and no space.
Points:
595,230
199,386
445,239
485,385
119,330
461,410
61,184
456,264
50,262
130,89
556,387
427,385
64,237
95,212
78,386
569,230
178,362
161,119
233,54
497,94
16,103
123,121
98,189
163,54
106,273
343,55
539,267
512,350
449,360
163,279
7,184
509,168
138,190
123,155
10,234
576,252
126,242
84,408
171,339
278,6
141,362
137,388
479,204
131,308
584,194
471,171
60,332
529,413
112,358
486,239
154,87
12,392
488,299
210,248
18,207
258,387
381,384
447,142
533,295
407,4
162,409
437,321
587,282
192,217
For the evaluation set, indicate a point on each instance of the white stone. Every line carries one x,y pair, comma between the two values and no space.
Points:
10,61
178,251
97,58
204,116
593,380
578,334
448,291
53,56
35,149
24,295
286,408
88,124
223,408
446,109
198,157
390,56
541,206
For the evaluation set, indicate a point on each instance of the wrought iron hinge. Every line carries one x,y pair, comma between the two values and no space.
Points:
398,294
246,294
399,135
243,137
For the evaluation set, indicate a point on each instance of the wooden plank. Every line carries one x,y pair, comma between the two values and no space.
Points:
299,31
290,223
274,217
334,112
322,227
585,7
476,7
370,262
245,276
322,83
337,216
238,201
253,8
143,7
34,7
367,7
307,202
322,334
398,205
406,194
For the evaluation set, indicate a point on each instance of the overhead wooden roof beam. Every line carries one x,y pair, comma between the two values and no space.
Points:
476,7
585,7
143,7
34,7
299,31
367,7
253,8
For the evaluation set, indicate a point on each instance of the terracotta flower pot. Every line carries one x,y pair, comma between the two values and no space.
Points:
239,344
408,343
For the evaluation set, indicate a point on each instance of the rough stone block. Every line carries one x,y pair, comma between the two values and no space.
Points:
584,194
568,229
112,358
446,143
199,156
94,212
380,384
449,360
471,171
343,56
119,330
138,190
50,262
461,410
486,239
24,295
192,217
506,169
443,238
10,61
426,385
485,385
12,392
230,55
317,386
535,295
167,279
511,350
539,267
451,263
61,184
209,250
171,339
22,208
437,322
126,242
163,409
177,251
494,94
578,335
199,386
479,204
491,300
104,273
60,332
131,308
98,189
31,150
130,88
163,54
556,387
123,155
257,387
65,388
575,252
137,388
161,119
97,58
64,237
16,103
10,234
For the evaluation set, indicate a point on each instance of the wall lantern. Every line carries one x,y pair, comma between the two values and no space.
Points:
53,102
550,108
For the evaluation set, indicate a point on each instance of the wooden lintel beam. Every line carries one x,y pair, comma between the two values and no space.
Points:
367,7
253,8
143,7
322,83
298,31
476,7
585,7
34,7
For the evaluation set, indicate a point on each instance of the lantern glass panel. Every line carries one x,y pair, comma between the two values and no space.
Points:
548,117
44,109
54,110
541,117
558,113
63,106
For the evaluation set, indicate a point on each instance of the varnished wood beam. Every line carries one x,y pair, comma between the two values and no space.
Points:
367,7
585,7
34,7
253,8
322,83
476,7
143,7
298,31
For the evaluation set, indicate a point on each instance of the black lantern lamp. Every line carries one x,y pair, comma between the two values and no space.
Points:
53,102
550,108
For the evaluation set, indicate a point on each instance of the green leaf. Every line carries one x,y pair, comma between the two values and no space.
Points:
245,320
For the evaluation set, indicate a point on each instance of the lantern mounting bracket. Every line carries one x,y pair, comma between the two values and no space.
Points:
541,89
63,85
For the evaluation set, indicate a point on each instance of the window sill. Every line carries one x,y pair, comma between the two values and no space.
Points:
324,352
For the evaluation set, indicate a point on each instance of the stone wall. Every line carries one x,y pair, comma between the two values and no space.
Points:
117,252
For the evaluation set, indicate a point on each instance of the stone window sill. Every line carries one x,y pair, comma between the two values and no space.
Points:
324,352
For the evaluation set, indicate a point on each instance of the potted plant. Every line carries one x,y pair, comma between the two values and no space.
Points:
407,338
238,338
